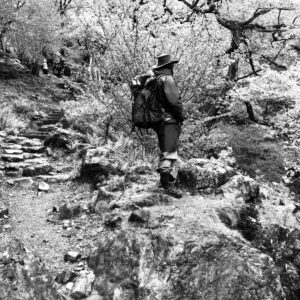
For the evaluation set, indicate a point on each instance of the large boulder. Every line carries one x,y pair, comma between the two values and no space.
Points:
96,162
207,247
283,245
241,186
155,266
204,175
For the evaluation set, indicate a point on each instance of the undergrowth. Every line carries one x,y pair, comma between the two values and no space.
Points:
131,150
9,121
256,155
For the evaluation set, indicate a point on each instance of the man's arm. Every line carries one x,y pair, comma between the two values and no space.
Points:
173,98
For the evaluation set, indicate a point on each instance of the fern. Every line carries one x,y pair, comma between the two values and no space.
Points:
9,121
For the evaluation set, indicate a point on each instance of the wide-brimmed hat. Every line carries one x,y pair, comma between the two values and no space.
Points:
164,60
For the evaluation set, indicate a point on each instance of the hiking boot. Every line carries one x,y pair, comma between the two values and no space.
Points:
165,180
171,178
173,192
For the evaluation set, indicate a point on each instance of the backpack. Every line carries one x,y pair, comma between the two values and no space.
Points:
147,111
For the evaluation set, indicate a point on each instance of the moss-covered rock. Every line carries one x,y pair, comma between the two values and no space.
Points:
154,266
203,175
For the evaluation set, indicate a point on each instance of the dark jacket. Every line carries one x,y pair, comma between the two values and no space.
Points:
168,95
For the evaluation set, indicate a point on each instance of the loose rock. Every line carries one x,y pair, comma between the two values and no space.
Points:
72,256
112,220
66,224
94,296
43,186
96,163
3,134
139,216
83,285
65,276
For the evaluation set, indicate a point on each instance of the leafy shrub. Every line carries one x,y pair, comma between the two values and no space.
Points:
24,109
9,121
86,112
191,138
132,150
269,94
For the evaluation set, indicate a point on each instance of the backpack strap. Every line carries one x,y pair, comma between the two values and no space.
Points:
162,106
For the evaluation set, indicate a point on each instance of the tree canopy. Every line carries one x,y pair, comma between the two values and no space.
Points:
232,53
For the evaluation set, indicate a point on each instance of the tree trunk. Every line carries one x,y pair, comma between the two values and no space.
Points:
250,111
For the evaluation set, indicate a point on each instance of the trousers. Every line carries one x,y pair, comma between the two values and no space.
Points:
168,137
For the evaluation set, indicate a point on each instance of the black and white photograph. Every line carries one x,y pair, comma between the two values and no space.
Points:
149,149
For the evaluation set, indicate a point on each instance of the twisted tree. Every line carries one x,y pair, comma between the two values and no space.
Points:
240,34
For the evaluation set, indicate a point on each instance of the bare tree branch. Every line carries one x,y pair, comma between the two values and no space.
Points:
249,75
273,62
257,13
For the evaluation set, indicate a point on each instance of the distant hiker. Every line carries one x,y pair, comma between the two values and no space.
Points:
157,105
45,67
58,67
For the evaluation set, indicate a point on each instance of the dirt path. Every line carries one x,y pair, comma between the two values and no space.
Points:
29,219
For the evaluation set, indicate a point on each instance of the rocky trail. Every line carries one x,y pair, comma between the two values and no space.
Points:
84,225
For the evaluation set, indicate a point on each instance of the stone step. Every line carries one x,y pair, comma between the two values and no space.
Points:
47,128
33,155
42,169
22,181
34,149
12,151
12,157
11,146
24,164
35,135
32,143
47,122
56,111
3,134
14,139
37,161
15,166
55,178
52,118
55,115
10,173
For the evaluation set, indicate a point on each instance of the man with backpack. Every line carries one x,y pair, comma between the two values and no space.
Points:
157,105
169,129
